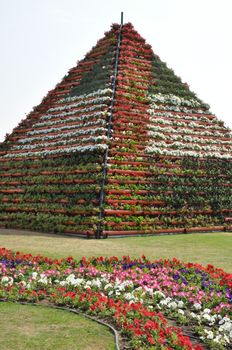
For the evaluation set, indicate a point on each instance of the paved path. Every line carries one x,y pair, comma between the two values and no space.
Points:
9,231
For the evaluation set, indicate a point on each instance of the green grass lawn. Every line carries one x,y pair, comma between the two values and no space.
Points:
25,327
28,327
204,248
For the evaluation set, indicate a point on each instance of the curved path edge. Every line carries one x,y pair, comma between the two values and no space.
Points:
75,311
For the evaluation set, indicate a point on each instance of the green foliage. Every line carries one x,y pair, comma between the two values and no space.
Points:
98,77
166,82
51,195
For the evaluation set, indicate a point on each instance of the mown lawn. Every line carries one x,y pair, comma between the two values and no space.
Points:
204,248
36,327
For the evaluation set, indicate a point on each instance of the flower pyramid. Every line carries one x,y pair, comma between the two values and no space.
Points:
121,146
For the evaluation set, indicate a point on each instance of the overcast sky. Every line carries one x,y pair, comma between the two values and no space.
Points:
41,40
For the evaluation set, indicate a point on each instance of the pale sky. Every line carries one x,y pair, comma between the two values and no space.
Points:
41,40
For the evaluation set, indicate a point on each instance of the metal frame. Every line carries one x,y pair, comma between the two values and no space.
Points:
109,133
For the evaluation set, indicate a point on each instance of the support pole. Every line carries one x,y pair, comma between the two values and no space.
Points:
109,134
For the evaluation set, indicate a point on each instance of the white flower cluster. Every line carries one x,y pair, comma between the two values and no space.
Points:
69,141
175,103
50,130
7,281
172,304
132,298
197,306
183,130
220,328
181,153
63,135
59,138
192,146
81,149
221,333
99,92
185,145
95,101
173,99
187,138
118,288
44,279
75,111
175,108
192,117
192,124
71,280
67,134
81,117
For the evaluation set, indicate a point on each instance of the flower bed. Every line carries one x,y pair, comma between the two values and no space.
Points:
139,297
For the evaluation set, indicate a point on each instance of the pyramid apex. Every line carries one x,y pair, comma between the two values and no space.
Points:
121,18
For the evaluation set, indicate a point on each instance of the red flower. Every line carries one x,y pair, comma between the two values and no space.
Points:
151,340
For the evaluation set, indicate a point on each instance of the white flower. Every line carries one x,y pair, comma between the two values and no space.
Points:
43,279
181,312
22,283
206,311
207,317
165,301
226,339
7,281
28,286
197,306
172,305
71,280
226,327
148,290
213,319
34,275
96,283
129,296
180,304
210,335
87,287
224,319
108,286
218,338
157,292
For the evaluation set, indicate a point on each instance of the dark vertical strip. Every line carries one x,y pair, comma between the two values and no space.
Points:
109,134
